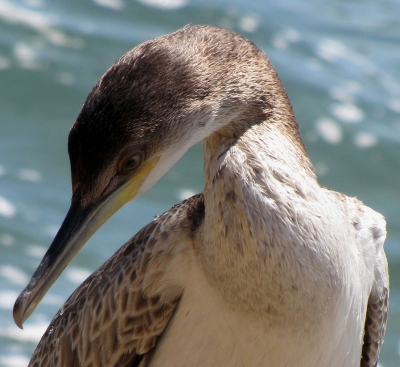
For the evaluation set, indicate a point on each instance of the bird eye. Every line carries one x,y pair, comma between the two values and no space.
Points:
130,163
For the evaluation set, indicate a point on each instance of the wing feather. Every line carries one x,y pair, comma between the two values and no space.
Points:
377,308
112,319
375,326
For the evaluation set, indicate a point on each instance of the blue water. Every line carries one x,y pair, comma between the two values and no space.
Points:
339,61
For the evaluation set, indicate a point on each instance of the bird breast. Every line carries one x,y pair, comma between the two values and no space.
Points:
266,243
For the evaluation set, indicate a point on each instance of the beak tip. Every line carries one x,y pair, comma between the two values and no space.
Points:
19,311
18,320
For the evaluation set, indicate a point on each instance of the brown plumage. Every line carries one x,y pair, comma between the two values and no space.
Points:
265,268
375,327
114,318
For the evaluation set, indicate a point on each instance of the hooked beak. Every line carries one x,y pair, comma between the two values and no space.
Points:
78,226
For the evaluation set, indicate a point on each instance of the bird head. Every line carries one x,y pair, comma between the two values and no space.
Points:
144,113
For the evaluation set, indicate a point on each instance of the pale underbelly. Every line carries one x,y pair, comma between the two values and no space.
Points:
204,331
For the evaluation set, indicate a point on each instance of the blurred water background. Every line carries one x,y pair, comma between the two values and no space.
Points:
339,61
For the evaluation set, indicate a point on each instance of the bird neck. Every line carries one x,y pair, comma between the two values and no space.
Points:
251,182
256,162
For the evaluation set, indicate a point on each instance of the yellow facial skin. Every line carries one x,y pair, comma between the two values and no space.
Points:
78,226
129,190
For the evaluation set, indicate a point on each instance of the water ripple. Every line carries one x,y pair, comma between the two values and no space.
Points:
6,208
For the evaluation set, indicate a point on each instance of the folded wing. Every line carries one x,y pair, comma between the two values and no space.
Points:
117,315
377,309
